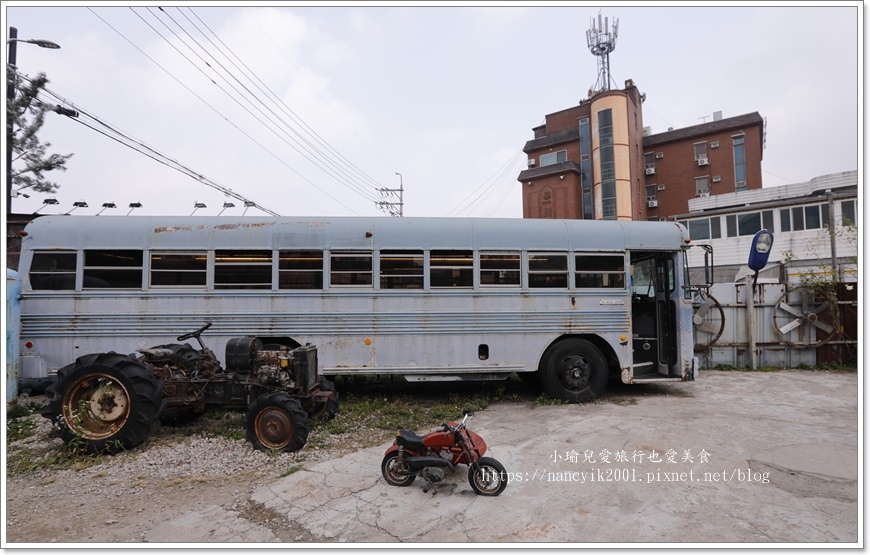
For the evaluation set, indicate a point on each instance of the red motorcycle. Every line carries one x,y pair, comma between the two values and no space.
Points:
430,456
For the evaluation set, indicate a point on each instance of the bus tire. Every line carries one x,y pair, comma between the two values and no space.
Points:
105,402
276,422
575,371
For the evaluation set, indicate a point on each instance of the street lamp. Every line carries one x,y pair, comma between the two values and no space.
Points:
196,206
12,49
77,204
47,202
134,206
106,205
226,205
248,204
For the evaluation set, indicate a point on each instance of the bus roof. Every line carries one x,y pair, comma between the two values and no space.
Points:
332,233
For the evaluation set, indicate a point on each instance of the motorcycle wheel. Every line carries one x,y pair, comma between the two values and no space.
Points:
390,470
487,476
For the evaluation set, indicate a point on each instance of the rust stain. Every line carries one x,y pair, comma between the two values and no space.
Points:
244,225
170,228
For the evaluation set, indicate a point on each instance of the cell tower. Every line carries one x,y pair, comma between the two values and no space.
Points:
601,41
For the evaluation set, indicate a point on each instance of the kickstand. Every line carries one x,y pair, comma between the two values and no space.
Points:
429,485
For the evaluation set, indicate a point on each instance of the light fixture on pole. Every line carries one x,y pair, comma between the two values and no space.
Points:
226,205
248,204
106,205
133,206
196,206
47,202
79,204
12,51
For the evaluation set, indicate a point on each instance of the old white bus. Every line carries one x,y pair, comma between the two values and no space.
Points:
568,302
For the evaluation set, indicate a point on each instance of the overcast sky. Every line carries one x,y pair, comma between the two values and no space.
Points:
445,96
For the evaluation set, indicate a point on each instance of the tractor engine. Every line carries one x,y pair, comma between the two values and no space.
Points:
282,368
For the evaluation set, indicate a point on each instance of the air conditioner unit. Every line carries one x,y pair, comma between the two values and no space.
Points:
661,187
714,144
531,162
650,171
717,178
652,203
703,195
703,161
660,155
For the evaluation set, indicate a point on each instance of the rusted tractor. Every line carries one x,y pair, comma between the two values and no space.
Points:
108,402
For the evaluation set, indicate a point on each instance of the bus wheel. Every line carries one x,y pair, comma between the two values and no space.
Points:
574,371
276,422
105,402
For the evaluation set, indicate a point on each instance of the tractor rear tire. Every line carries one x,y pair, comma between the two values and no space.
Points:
105,402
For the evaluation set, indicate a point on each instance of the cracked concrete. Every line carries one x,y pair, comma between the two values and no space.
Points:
776,470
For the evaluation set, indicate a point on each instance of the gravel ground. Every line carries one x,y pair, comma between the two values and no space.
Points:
176,470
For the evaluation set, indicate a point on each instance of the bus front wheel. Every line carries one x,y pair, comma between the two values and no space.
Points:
574,371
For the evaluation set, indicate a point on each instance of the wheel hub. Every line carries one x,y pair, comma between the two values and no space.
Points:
274,428
107,403
577,372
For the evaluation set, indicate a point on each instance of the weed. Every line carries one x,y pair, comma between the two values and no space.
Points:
543,399
292,470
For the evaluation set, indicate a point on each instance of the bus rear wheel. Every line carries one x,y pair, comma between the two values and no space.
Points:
574,371
105,402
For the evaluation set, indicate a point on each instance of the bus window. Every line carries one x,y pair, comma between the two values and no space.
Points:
178,269
451,269
401,269
594,271
500,269
242,269
300,270
547,270
53,270
350,269
112,269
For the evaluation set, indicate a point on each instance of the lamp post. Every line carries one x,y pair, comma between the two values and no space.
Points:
12,47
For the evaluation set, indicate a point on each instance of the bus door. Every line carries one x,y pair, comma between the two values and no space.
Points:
653,314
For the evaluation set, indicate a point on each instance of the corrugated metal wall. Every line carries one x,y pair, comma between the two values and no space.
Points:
790,330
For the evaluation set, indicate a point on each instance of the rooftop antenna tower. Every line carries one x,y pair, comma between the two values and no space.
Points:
601,39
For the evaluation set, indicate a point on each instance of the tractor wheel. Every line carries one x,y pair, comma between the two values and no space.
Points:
105,402
329,409
276,422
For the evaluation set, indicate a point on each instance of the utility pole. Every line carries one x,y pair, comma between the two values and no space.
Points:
12,46
390,207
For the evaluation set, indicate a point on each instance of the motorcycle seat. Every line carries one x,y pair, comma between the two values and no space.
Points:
410,440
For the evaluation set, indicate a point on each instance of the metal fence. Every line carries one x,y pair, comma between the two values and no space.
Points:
787,326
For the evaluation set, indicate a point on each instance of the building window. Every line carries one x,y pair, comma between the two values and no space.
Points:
785,219
300,270
178,269
812,217
451,269
749,223
547,270
500,269
849,215
242,269
700,150
739,164
702,185
401,269
597,271
53,271
349,269
110,269
651,192
554,158
608,166
586,168
649,160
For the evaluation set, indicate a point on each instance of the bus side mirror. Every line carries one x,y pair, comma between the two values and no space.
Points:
760,251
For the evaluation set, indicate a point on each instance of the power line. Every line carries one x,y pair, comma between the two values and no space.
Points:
221,115
123,138
478,198
327,166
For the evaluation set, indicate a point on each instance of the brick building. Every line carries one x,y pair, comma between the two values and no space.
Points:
597,161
